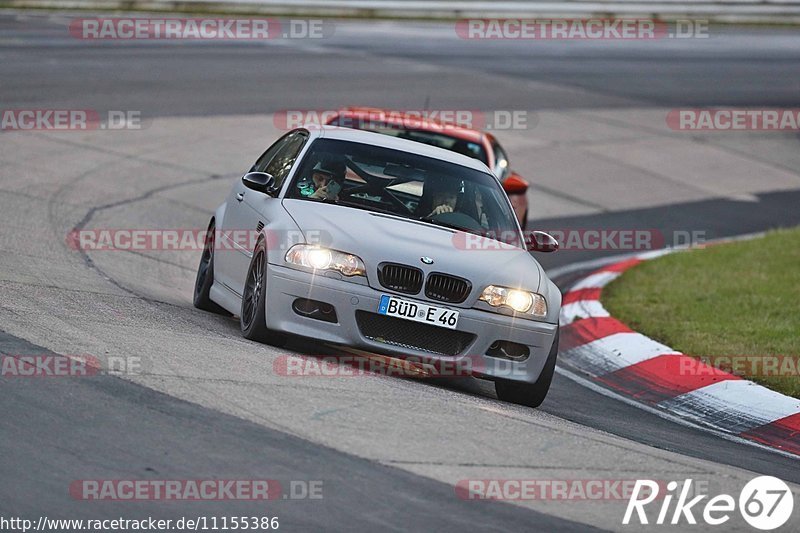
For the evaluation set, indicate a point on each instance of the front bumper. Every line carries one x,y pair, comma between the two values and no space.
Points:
285,285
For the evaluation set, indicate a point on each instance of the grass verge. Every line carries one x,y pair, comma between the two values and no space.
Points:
737,299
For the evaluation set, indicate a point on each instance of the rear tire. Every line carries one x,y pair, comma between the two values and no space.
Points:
530,394
205,276
253,316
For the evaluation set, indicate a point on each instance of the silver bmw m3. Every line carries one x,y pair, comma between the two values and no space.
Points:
386,245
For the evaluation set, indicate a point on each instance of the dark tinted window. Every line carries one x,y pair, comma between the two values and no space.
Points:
284,159
279,158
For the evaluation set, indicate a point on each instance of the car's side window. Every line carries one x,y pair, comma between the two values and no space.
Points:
279,158
281,164
266,157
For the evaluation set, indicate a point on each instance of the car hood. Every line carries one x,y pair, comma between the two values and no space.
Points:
376,238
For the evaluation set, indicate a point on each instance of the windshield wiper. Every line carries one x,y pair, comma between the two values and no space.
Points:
367,208
432,220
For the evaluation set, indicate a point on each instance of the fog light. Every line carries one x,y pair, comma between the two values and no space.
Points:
315,309
508,350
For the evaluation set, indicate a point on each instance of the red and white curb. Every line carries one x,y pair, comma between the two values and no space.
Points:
601,347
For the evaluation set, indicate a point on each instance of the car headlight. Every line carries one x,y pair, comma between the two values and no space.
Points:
518,300
318,258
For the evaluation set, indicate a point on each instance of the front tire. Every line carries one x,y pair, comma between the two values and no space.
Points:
205,276
253,316
530,394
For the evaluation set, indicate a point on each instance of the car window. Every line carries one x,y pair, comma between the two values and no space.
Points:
279,158
375,178
266,157
501,167
284,159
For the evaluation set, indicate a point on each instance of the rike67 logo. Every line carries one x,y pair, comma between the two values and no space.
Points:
765,503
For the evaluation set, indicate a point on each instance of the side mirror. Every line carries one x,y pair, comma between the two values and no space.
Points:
539,241
514,184
259,181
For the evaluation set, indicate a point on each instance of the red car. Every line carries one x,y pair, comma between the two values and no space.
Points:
474,143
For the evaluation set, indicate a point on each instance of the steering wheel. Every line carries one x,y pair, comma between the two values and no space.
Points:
458,219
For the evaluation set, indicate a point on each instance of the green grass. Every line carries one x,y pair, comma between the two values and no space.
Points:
741,298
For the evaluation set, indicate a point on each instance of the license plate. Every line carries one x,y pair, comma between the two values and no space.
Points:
418,312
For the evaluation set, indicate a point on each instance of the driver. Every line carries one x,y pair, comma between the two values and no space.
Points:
443,193
328,177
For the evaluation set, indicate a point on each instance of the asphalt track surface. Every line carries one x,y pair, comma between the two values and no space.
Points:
387,450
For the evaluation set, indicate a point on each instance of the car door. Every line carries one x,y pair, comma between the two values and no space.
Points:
246,207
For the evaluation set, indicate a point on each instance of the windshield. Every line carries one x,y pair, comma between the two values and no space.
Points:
407,185
440,140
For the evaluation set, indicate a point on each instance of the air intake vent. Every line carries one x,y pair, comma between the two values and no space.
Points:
444,288
259,226
410,335
400,278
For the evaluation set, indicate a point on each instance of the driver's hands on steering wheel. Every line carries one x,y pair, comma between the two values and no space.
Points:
441,209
